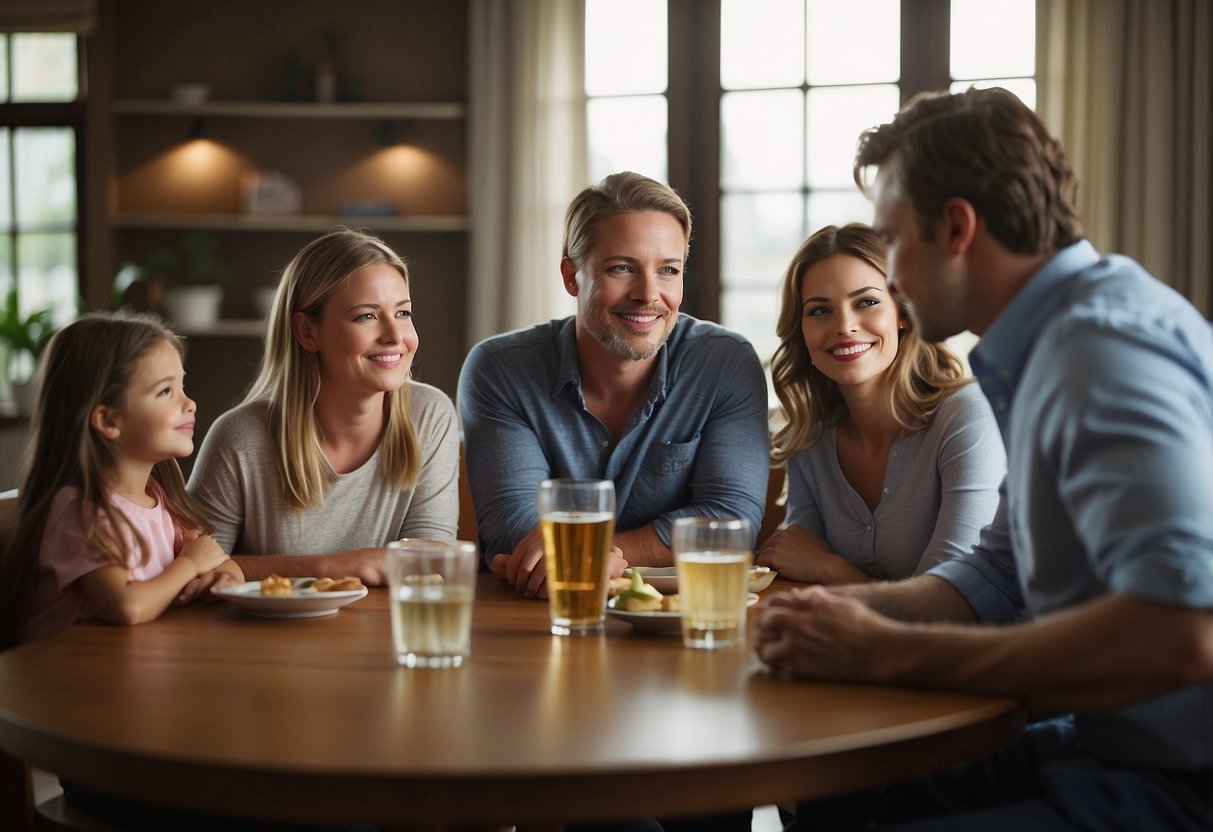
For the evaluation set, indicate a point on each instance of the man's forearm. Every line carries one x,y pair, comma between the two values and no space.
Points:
924,598
1071,661
643,547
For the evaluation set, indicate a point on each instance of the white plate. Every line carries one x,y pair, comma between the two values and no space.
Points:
303,603
658,622
664,579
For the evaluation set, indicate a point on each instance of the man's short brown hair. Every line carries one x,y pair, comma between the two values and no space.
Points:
987,147
619,193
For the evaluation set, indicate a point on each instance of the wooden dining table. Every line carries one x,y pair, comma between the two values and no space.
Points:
311,719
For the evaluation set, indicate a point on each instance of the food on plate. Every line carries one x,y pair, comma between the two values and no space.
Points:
344,584
639,596
277,585
670,603
618,585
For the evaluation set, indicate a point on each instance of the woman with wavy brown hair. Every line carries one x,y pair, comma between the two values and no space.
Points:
894,459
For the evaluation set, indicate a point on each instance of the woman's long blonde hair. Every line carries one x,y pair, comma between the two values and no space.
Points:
88,363
922,374
288,382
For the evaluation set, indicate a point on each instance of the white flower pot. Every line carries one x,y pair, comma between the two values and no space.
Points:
23,395
192,307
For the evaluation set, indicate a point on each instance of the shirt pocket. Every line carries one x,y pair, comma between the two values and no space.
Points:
663,480
666,458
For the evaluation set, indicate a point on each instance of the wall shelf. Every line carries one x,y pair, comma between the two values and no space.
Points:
227,328
440,110
288,222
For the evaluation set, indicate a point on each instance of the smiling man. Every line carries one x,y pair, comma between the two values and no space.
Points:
671,409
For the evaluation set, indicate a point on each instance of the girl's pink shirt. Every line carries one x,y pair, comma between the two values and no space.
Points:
64,558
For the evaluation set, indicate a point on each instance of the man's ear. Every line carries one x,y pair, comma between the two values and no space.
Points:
304,331
568,273
959,224
102,421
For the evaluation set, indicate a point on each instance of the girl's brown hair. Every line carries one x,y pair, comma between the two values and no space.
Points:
87,363
922,374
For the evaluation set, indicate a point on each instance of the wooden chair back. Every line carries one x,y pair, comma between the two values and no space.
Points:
468,528
776,503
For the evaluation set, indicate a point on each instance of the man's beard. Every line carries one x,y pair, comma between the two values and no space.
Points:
608,336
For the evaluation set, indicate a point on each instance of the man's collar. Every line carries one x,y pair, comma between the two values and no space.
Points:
570,371
1004,347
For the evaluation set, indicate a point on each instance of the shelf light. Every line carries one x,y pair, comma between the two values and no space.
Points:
390,132
198,129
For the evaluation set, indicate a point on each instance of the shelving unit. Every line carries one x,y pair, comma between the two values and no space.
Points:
400,146
288,222
274,110
277,109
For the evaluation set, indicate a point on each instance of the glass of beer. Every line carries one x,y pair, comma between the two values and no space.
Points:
713,557
577,519
432,584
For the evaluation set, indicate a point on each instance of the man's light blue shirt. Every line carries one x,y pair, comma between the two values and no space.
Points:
1101,379
697,446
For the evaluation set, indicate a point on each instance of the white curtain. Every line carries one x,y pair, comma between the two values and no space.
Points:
528,157
1127,86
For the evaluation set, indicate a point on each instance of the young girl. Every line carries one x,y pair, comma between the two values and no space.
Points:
106,528
894,459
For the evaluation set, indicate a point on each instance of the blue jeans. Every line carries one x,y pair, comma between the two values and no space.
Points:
1040,781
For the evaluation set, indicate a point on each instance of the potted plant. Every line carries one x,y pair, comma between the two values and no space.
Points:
192,277
25,337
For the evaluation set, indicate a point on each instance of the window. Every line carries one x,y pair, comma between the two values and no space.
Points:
626,80
40,120
799,81
768,98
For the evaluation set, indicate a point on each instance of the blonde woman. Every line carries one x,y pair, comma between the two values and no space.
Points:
894,459
335,450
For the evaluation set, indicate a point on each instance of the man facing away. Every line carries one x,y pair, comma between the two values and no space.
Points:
671,409
1099,562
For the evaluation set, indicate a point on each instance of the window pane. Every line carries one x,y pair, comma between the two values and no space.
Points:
46,274
45,166
761,232
628,134
762,140
626,47
6,204
838,208
1025,88
854,42
836,117
752,312
993,40
3,68
44,67
761,43
6,265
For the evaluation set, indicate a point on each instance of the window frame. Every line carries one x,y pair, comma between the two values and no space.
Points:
69,114
694,119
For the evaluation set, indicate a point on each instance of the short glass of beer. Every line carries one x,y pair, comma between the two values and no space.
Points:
713,557
577,519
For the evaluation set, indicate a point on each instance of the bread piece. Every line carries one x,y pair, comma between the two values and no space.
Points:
618,585
670,603
277,585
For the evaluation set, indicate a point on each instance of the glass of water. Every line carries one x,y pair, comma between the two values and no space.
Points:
432,584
